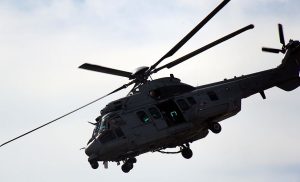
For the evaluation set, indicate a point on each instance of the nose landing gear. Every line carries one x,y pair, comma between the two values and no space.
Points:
186,152
94,164
128,165
215,127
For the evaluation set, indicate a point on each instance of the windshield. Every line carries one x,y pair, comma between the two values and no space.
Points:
108,121
96,130
108,128
103,126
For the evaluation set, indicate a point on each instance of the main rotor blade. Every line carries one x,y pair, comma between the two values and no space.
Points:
190,34
204,48
271,50
118,89
102,69
281,35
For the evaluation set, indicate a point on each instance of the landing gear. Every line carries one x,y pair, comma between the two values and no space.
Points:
128,165
94,164
186,152
215,127
132,160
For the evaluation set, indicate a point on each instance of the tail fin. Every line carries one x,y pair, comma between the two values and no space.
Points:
290,67
290,85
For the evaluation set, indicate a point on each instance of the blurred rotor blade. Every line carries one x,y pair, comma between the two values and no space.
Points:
60,117
271,50
204,48
281,35
102,69
190,34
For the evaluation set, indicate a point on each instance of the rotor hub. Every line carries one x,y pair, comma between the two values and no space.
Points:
140,73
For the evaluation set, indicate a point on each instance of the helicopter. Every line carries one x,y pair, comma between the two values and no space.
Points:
166,113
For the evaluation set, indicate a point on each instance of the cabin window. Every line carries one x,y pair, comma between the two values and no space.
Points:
154,113
182,104
143,117
171,113
107,136
212,95
191,100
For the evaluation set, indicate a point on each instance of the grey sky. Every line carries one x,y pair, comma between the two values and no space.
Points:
42,43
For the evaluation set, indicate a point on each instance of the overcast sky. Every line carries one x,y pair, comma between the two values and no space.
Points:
42,42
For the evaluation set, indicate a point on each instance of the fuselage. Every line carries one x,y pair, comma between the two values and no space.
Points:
166,113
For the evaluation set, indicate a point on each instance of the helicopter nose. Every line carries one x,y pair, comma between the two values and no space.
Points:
93,148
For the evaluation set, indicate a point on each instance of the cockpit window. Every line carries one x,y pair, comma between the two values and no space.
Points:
109,116
96,129
143,117
104,125
107,120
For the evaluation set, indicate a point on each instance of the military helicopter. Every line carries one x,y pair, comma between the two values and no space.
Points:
166,113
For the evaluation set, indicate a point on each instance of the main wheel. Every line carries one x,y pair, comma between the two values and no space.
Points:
126,167
94,164
215,127
187,153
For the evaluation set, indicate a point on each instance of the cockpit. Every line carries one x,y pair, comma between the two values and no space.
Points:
108,127
107,120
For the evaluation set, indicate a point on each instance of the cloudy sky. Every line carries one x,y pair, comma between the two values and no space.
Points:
42,42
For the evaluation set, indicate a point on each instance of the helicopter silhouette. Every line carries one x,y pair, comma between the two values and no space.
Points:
166,113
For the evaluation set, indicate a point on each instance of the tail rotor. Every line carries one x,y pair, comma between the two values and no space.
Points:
282,41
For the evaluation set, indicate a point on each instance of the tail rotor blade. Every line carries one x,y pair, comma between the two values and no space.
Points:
282,41
281,34
271,50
